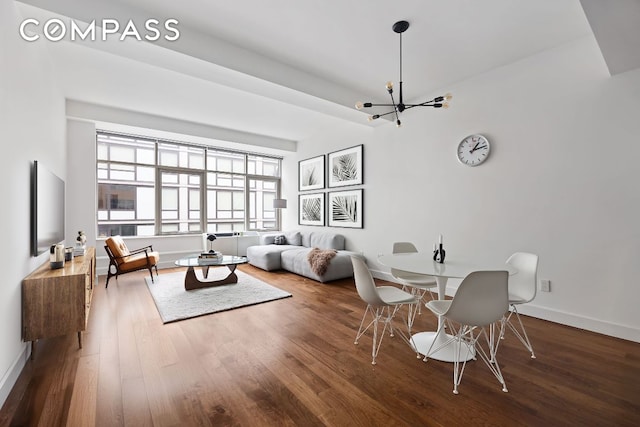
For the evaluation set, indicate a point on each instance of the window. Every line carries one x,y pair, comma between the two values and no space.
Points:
150,187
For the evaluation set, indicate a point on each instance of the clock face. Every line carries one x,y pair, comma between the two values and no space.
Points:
473,150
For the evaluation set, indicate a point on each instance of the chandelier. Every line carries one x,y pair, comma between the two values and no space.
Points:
437,102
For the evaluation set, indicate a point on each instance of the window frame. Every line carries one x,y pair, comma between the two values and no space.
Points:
102,138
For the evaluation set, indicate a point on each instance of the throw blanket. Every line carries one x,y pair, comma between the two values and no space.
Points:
319,259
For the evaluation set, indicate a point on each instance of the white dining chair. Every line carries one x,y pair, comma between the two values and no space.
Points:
416,284
522,289
383,303
481,300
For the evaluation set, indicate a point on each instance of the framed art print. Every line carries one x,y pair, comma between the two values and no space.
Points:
311,209
345,208
345,167
311,173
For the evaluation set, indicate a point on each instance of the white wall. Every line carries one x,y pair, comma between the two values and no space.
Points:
33,128
562,182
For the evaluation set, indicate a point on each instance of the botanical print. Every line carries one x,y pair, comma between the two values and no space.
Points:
311,209
345,167
311,173
345,209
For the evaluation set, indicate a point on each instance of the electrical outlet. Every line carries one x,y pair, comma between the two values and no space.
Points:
545,285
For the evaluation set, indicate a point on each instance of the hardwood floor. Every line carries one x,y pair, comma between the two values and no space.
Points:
293,362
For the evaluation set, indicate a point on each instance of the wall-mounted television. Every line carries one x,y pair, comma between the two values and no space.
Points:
47,209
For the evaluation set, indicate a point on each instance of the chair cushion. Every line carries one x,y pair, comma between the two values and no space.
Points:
414,279
392,295
117,247
138,261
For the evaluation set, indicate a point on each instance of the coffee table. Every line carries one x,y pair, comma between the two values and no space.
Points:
192,282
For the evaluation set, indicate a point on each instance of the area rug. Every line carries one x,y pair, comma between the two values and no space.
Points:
175,303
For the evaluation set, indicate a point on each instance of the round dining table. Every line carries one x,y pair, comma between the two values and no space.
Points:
422,263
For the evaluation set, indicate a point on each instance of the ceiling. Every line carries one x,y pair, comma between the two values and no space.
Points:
324,56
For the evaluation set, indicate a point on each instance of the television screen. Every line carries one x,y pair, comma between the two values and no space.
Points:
47,209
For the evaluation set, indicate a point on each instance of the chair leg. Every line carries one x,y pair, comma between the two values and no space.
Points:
457,371
522,334
390,315
495,340
466,336
384,315
377,315
435,338
411,314
361,331
490,359
151,273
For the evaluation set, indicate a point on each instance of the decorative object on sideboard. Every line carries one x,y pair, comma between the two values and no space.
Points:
438,102
82,238
438,251
56,256
81,244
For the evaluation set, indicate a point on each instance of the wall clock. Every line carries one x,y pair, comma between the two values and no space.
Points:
473,150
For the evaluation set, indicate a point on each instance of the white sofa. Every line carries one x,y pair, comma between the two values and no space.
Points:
292,255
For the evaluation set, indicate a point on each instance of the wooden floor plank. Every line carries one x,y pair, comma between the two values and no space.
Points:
82,408
293,362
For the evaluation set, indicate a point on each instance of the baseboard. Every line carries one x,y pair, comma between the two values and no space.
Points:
12,374
570,319
587,323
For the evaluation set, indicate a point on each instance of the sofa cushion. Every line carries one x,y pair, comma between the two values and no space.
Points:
280,240
268,239
292,237
305,238
267,257
295,260
327,241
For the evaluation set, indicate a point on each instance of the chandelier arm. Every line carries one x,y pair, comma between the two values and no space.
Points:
424,104
378,105
395,107
385,114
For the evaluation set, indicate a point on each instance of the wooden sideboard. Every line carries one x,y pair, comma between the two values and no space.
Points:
57,302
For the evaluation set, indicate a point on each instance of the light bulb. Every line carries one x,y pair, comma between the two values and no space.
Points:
359,105
389,86
445,105
370,118
448,97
